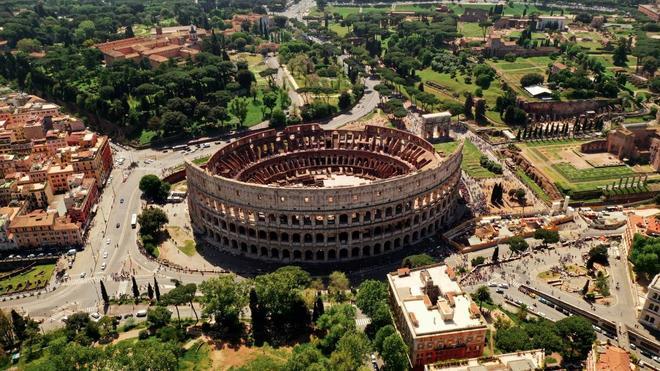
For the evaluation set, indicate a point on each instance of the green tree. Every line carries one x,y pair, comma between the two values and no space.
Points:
152,220
319,308
477,261
523,311
481,296
270,100
278,118
382,334
156,289
177,296
531,79
395,353
512,339
620,54
158,317
19,325
517,244
245,78
223,298
344,101
371,293
136,290
338,285
29,45
645,255
469,102
153,188
352,351
173,122
333,324
280,299
306,357
239,108
81,329
104,293
419,260
548,236
578,335
598,254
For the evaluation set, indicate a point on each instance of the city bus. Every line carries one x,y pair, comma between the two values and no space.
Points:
133,220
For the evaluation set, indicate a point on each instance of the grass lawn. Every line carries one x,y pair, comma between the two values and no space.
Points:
470,29
511,72
35,277
201,160
196,358
458,86
569,172
471,157
471,165
339,29
189,248
146,136
255,64
446,148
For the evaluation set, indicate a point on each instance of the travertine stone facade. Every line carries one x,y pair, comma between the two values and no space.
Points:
267,195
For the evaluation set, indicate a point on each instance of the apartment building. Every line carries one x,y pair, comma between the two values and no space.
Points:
436,319
41,228
650,315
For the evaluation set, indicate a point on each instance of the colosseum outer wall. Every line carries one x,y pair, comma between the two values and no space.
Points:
319,224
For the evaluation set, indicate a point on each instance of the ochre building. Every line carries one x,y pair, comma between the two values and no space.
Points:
314,195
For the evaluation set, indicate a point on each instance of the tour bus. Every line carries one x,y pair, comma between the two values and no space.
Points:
133,220
180,147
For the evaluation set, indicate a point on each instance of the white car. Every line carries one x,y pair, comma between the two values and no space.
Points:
103,266
107,242
105,254
83,274
95,316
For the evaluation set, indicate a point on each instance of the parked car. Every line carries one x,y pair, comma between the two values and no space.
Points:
141,313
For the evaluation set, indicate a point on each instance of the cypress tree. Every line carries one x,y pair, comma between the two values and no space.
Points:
104,294
258,319
136,291
18,325
496,254
150,292
319,309
156,289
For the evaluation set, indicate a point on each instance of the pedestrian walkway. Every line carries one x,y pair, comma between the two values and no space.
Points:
362,322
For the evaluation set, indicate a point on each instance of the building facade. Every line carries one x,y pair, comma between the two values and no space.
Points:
436,319
41,228
313,195
650,315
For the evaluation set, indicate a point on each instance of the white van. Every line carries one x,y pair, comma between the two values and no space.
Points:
141,313
71,252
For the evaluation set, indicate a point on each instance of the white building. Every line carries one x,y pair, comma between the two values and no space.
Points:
650,315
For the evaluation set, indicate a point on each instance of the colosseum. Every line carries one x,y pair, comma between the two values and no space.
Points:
311,195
